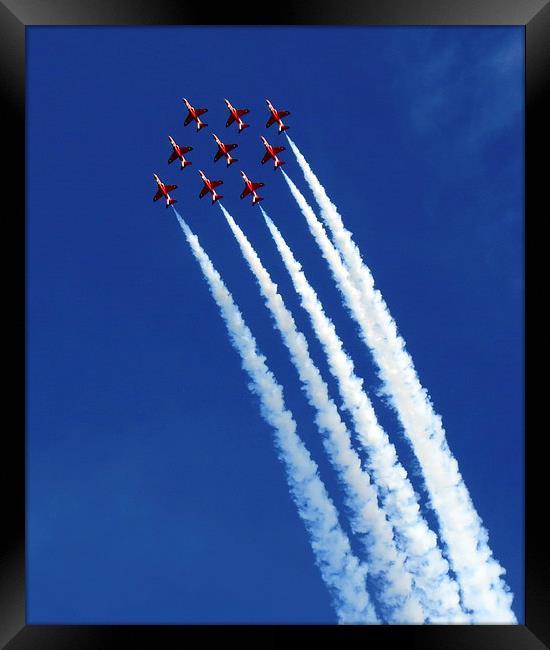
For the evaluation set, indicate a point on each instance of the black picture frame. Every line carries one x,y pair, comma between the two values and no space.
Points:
15,16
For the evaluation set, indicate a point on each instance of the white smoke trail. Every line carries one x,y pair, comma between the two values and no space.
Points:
438,592
483,590
386,563
341,570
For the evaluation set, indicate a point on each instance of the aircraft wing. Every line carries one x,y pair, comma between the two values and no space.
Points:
242,111
188,119
256,186
230,147
283,114
173,157
277,150
245,192
230,120
157,196
203,191
186,149
216,183
270,121
265,158
200,111
218,155
169,188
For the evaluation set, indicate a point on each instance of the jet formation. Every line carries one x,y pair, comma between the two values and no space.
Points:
223,150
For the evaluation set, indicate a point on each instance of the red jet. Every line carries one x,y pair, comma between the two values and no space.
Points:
251,189
236,114
276,116
209,187
271,152
194,115
163,191
178,153
223,150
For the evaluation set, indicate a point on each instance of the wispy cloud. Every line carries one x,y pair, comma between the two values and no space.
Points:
466,90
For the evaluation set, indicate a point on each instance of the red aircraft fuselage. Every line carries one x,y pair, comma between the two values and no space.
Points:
276,116
271,153
235,115
163,191
223,150
178,153
250,188
194,114
209,186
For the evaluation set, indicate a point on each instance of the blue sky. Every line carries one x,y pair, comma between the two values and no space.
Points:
154,494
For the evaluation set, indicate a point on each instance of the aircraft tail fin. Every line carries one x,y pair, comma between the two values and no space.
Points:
185,164
243,126
257,199
283,128
231,160
279,163
171,202
201,125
